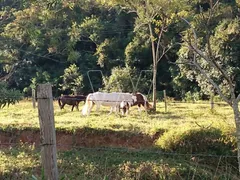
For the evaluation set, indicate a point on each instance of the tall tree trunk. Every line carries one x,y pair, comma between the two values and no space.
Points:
154,68
154,86
237,122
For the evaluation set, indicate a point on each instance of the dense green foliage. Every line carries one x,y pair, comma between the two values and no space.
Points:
8,96
217,34
40,40
128,80
72,80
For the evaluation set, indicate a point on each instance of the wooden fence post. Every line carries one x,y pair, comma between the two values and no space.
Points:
165,99
47,131
212,101
34,98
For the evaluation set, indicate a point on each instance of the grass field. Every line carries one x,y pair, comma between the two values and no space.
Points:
183,129
179,115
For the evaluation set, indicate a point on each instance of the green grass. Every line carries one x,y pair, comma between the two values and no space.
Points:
23,163
183,128
22,115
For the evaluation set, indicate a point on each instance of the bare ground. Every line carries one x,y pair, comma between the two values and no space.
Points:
85,137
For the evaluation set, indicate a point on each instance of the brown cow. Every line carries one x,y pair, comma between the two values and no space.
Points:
70,100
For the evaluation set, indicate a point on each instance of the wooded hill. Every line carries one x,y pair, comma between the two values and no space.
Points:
59,41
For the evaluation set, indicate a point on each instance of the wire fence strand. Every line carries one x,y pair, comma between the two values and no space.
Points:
126,150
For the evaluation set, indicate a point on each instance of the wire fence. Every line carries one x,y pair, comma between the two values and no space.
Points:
22,160
122,149
83,157
169,102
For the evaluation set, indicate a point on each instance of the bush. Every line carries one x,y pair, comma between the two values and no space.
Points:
210,141
125,80
8,96
192,96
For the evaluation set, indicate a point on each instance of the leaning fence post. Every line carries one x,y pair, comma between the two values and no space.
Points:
165,99
47,131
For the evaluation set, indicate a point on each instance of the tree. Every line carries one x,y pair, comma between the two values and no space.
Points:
45,36
213,58
72,79
156,16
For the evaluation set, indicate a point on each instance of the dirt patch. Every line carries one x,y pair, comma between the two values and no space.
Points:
29,137
113,139
85,137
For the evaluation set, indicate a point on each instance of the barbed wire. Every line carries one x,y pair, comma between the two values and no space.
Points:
78,99
130,150
182,102
170,102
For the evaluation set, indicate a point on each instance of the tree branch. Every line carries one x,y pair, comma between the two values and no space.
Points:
210,81
6,77
165,50
206,58
215,4
158,44
238,98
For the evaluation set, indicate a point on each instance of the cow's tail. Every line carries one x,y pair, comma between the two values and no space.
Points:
87,106
59,102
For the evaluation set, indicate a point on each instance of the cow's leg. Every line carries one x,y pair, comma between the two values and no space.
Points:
120,110
111,110
127,111
90,108
77,106
117,109
123,111
139,108
72,107
97,107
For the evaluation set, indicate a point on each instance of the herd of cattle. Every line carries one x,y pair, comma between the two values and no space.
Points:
115,100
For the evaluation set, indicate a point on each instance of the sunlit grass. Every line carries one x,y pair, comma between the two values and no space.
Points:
22,115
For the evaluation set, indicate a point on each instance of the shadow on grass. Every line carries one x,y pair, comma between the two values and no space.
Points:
19,162
21,173
88,163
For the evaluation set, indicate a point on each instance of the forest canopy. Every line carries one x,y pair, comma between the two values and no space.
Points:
60,41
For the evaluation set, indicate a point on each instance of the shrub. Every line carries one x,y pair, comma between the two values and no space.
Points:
8,96
146,170
198,140
192,96
125,80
